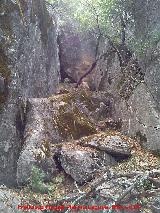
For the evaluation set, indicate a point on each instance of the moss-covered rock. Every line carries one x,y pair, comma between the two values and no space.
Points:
51,121
71,121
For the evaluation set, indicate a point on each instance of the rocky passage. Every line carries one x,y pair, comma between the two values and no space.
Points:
97,144
61,138
57,125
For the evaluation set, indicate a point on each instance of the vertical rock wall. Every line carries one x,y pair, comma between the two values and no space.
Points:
29,66
137,89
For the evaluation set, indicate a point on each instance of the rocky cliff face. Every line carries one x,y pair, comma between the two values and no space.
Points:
148,29
136,88
29,67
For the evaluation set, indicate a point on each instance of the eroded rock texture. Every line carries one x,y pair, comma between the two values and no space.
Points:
29,64
51,121
54,137
9,201
83,162
135,88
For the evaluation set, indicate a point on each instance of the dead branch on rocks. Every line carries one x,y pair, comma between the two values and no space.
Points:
94,64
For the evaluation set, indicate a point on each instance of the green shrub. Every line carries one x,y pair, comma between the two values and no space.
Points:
37,180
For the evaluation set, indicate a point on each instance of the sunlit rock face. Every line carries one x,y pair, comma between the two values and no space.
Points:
29,64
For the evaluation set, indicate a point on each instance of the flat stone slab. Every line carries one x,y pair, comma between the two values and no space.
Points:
111,144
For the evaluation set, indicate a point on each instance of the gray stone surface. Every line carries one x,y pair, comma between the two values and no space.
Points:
35,136
147,29
137,107
29,63
141,118
49,121
2,85
9,201
83,162
137,102
111,144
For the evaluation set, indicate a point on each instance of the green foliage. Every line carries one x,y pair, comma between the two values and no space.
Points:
87,11
96,16
140,47
105,17
37,184
36,180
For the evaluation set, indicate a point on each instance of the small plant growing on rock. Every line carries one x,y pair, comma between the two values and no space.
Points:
36,180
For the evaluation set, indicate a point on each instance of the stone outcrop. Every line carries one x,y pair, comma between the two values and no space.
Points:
147,29
111,144
135,88
83,162
82,159
30,68
141,119
134,103
60,133
51,121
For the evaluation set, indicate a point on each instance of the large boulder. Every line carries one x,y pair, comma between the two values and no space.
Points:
29,64
83,162
83,158
135,89
51,121
114,145
135,98
135,104
147,28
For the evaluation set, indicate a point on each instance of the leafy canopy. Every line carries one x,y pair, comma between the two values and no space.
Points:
88,12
